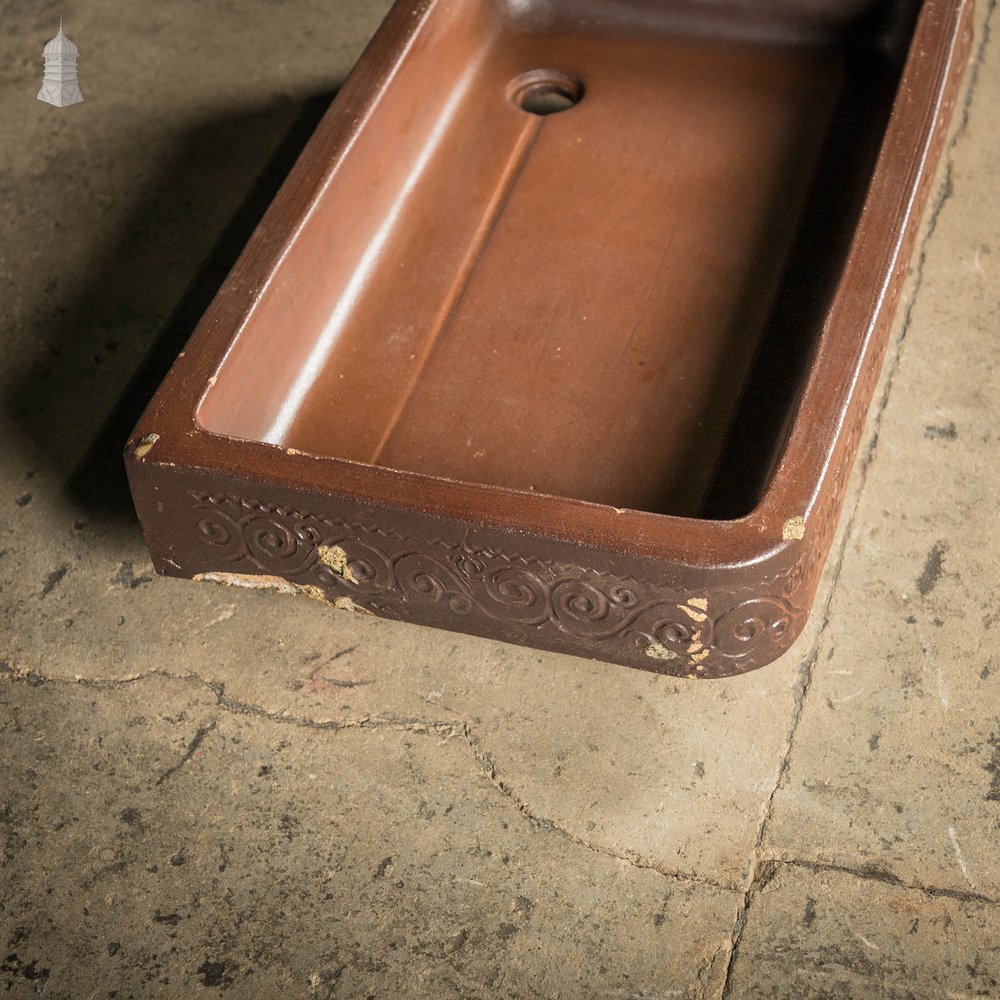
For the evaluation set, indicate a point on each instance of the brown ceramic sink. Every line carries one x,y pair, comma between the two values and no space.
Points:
564,327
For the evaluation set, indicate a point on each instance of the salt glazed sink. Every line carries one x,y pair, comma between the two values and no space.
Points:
564,327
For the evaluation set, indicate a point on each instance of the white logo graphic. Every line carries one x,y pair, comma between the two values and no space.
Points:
60,86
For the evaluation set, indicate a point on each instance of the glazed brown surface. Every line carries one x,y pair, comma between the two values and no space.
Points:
569,304
461,324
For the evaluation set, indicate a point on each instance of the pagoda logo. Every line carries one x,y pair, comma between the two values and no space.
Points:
60,85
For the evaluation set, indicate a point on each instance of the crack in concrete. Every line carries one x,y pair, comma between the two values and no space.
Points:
192,749
442,727
764,868
761,870
875,873
754,869
487,766
446,728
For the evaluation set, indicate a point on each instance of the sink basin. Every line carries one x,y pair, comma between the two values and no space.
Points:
564,327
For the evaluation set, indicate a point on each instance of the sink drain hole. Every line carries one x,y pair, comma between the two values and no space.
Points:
544,92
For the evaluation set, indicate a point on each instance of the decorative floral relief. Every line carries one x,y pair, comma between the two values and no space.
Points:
393,574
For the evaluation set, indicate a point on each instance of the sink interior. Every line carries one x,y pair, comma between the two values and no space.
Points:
577,247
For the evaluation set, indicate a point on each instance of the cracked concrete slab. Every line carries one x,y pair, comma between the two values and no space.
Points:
642,748
615,758
821,934
167,841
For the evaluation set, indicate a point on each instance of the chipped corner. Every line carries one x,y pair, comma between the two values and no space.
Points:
696,609
145,445
335,559
794,529
250,581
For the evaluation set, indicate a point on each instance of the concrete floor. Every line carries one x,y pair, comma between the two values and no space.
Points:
207,789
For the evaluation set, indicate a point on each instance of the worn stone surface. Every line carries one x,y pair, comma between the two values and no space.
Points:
202,785
170,840
821,934
896,761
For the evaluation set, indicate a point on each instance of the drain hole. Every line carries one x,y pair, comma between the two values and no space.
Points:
544,92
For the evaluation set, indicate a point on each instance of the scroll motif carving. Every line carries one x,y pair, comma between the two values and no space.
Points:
396,575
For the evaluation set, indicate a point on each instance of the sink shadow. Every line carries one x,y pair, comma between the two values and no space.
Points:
160,246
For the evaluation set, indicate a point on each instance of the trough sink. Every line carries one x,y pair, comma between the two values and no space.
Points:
564,327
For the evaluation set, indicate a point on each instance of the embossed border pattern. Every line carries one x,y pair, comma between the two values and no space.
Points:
633,621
